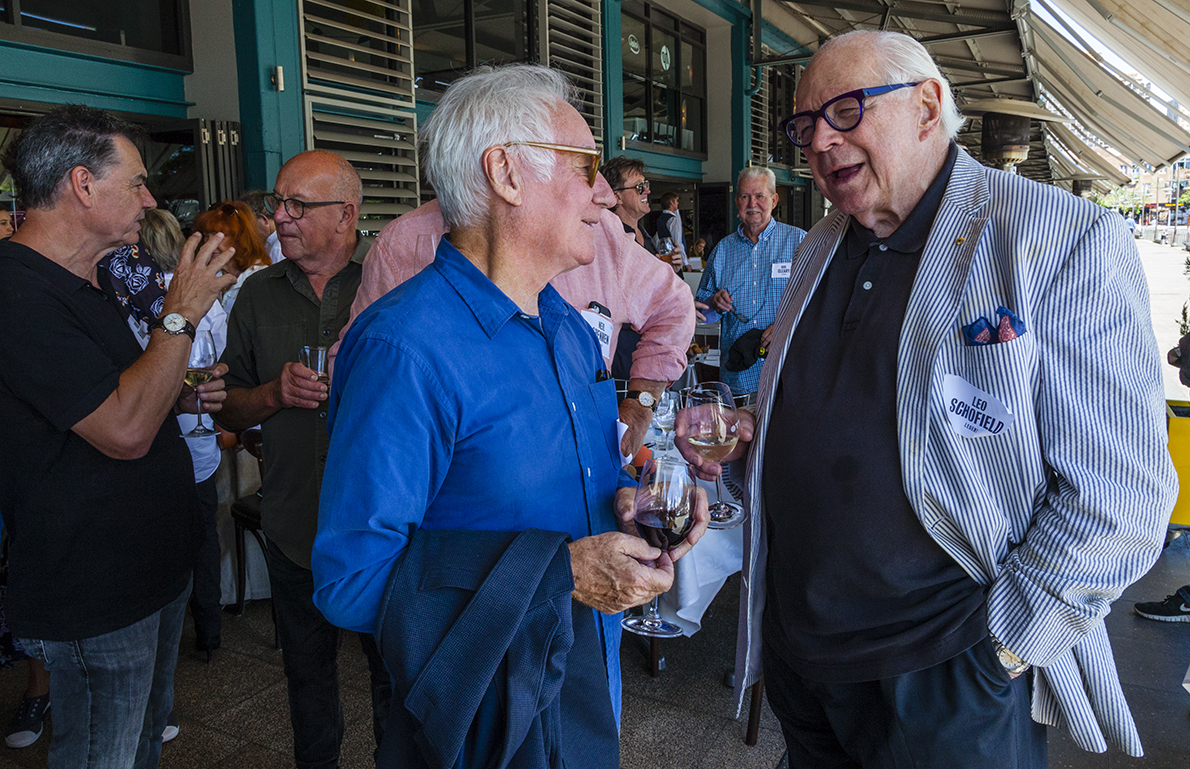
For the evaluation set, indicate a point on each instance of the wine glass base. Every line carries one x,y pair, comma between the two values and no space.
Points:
653,627
199,432
726,515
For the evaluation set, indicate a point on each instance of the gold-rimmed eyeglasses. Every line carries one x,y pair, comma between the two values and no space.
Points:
593,153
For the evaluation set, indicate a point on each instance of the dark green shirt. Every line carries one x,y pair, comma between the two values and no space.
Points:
275,314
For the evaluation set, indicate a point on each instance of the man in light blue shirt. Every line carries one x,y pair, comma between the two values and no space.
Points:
748,271
472,397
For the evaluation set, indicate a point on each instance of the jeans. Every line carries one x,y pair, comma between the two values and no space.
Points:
309,651
112,693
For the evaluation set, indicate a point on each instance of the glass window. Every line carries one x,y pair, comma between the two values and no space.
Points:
664,64
451,37
152,25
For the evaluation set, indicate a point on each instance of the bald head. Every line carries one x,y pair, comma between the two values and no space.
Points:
331,193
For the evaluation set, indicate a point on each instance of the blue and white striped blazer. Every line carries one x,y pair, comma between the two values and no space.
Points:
1067,507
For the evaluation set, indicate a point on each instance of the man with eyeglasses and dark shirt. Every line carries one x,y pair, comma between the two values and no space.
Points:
305,299
958,457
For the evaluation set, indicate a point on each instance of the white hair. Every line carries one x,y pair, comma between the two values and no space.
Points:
901,59
489,107
758,172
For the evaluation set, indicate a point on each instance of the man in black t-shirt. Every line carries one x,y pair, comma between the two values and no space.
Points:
96,484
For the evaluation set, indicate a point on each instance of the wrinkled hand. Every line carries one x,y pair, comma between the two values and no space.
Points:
709,471
212,394
609,574
722,300
197,281
675,257
638,418
698,308
298,387
1180,357
626,519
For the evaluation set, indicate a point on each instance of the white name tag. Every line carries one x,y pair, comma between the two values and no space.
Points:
972,412
782,269
603,331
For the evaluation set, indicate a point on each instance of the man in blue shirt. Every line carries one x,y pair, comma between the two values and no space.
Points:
472,397
748,271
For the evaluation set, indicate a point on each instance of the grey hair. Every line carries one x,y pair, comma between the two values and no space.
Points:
757,172
489,107
901,59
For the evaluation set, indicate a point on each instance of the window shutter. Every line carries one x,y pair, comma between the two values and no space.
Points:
572,39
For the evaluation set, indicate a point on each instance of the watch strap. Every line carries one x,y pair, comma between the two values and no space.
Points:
187,329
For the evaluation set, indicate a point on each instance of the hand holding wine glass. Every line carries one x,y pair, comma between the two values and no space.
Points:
666,512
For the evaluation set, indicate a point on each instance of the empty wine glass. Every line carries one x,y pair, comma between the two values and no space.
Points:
714,431
664,516
200,370
663,418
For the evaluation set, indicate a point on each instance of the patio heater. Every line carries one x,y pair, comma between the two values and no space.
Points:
1006,124
1081,184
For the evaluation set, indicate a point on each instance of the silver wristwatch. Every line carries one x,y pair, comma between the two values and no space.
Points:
1013,664
174,323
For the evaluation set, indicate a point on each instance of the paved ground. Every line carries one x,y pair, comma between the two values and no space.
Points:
234,713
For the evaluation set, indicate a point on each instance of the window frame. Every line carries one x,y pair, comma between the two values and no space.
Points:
684,32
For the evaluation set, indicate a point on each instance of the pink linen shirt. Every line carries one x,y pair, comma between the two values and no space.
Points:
635,286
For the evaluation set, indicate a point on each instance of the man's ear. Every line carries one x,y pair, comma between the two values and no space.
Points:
931,107
82,184
503,174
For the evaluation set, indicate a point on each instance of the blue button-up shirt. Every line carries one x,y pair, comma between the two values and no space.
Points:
746,270
452,409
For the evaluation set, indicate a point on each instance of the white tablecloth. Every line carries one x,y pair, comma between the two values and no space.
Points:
700,574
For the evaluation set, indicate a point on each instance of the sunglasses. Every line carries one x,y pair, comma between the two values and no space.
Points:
640,188
593,154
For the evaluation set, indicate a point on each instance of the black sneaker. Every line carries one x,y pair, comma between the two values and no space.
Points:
25,727
1175,608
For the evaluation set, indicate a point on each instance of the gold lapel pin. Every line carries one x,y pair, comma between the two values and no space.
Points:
959,241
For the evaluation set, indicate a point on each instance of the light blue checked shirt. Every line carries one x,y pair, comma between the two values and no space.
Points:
747,271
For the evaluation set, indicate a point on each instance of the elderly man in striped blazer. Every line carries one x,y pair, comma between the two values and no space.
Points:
958,457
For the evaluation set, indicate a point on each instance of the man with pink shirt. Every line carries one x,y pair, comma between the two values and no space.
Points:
625,280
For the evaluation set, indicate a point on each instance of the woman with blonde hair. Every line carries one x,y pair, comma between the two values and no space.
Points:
237,222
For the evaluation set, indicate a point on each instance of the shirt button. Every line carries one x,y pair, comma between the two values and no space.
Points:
322,414
325,333
883,247
867,285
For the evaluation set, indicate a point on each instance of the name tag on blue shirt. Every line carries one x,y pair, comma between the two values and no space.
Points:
782,269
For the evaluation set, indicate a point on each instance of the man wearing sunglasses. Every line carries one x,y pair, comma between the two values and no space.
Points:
958,458
471,407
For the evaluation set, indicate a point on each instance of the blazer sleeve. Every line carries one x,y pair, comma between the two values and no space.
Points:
1099,524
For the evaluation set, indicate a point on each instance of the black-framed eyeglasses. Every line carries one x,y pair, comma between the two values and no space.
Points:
841,113
593,153
640,188
294,207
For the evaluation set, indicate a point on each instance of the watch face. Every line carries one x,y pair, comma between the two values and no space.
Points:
646,399
174,322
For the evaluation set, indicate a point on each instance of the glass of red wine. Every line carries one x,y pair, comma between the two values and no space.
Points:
714,430
664,516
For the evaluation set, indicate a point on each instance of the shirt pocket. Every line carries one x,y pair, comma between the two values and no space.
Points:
276,345
607,411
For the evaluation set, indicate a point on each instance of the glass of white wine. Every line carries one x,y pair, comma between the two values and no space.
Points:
714,430
200,370
663,418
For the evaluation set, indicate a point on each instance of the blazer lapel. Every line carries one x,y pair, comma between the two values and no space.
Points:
931,316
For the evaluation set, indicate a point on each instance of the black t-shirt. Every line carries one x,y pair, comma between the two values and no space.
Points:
857,590
95,543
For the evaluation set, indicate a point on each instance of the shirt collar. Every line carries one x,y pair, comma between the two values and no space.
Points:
491,306
55,273
768,230
289,268
910,237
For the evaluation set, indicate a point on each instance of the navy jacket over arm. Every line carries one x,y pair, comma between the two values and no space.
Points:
493,662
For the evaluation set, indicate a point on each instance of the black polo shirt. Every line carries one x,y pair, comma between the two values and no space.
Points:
95,543
857,590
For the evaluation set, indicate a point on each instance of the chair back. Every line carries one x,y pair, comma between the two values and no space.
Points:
253,442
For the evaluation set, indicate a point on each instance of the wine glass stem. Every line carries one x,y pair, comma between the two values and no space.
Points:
719,489
653,615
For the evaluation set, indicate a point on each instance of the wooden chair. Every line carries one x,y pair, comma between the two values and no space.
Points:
245,512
